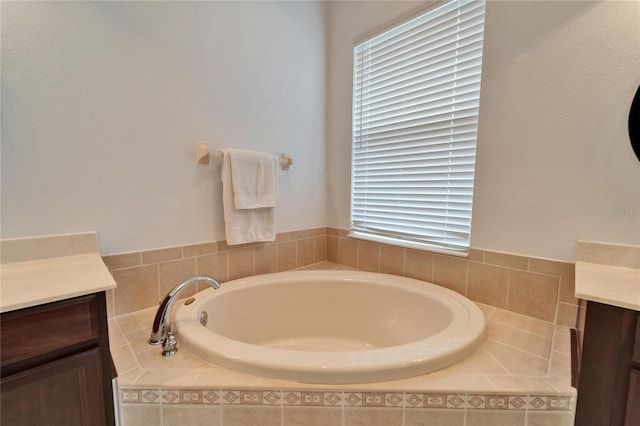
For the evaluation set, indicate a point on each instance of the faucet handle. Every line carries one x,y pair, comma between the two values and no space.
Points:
170,345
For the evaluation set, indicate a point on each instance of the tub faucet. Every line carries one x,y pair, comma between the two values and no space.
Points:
161,332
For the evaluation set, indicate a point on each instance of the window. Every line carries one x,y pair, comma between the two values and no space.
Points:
415,120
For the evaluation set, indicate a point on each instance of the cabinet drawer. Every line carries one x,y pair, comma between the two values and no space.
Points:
28,333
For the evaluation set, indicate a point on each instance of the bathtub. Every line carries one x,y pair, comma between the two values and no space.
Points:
330,326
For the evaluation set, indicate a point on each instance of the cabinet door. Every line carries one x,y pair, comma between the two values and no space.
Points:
64,392
609,338
632,417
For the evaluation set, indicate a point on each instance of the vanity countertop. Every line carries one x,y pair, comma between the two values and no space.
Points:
613,285
608,273
40,270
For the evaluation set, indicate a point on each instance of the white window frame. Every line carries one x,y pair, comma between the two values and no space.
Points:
415,118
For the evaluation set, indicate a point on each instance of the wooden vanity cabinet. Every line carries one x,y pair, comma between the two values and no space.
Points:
55,364
609,383
632,415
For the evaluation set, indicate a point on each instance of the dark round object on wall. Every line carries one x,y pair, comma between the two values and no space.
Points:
634,123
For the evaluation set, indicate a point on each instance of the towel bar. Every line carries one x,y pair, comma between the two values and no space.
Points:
203,153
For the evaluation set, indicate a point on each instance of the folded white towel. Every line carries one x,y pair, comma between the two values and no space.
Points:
244,225
254,179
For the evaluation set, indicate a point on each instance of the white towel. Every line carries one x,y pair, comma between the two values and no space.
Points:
254,179
244,225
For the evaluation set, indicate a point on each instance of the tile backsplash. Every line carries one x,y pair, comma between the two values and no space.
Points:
539,288
144,278
621,255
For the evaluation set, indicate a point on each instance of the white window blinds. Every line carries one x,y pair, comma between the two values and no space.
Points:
415,119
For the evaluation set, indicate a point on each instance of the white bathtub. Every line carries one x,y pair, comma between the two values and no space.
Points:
331,326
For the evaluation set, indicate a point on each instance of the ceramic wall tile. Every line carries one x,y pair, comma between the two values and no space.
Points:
173,272
495,418
241,263
392,260
125,260
333,249
251,416
195,250
320,249
349,252
192,415
451,272
512,261
215,265
368,256
359,416
311,416
137,288
286,256
533,294
305,252
161,255
266,258
418,264
415,417
458,274
488,284
549,419
140,415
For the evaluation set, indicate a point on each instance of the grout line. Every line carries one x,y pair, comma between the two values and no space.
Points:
434,270
508,287
515,328
499,364
521,350
466,278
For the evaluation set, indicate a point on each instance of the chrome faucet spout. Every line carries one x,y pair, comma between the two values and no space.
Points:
161,330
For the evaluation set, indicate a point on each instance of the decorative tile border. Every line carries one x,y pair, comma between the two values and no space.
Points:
551,402
313,398
373,399
190,396
251,397
140,396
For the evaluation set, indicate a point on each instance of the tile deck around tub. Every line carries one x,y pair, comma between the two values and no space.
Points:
523,366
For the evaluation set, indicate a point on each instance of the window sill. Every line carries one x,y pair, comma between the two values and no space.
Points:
406,244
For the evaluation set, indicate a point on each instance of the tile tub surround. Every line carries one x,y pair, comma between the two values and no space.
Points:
145,277
519,377
535,287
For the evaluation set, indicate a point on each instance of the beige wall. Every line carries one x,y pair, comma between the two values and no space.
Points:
103,102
